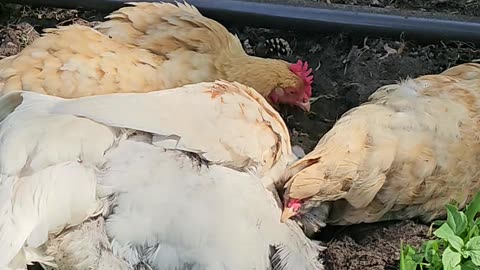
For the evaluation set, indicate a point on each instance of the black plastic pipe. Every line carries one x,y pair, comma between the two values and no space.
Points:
310,17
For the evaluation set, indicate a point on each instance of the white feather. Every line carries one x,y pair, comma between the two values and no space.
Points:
224,117
85,247
209,216
65,161
43,182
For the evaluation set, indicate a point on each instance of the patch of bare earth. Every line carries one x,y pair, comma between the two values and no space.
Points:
372,246
454,7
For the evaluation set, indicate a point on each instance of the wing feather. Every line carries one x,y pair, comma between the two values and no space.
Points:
221,121
47,172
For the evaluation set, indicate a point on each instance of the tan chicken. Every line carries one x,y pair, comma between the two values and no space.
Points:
147,47
409,150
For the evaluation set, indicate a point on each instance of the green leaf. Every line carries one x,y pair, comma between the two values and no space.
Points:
457,237
456,242
469,265
473,243
456,220
473,208
431,247
435,223
450,259
472,248
406,260
444,232
432,254
473,232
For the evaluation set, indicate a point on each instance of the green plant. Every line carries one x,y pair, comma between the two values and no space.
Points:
456,245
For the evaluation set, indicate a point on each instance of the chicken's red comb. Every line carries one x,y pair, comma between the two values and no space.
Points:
303,71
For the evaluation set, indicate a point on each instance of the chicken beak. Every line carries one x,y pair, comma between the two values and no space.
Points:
287,213
304,106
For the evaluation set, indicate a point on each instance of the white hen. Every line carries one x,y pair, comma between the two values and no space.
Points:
171,177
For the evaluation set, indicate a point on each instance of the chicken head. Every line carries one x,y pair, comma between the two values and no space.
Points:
297,94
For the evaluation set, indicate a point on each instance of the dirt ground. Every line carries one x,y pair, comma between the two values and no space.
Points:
347,70
457,7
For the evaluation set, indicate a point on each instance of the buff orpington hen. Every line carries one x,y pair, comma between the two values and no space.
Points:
412,148
115,182
148,47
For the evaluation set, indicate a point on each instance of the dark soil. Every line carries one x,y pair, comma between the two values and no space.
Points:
371,246
457,7
347,70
